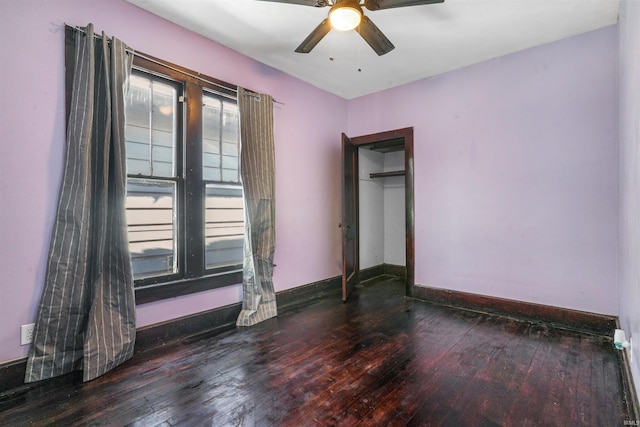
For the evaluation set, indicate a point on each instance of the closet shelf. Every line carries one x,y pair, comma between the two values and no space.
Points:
386,174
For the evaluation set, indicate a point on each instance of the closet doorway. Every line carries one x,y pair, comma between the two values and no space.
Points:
392,153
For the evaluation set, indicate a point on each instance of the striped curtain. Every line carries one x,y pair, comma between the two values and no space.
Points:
86,318
258,183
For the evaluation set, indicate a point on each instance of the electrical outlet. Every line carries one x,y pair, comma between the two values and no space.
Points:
26,333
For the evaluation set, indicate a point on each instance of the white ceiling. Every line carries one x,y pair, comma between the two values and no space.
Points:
429,39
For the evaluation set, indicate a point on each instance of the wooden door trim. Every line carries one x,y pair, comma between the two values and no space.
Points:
407,135
350,217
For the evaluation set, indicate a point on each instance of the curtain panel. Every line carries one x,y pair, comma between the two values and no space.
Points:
86,318
257,165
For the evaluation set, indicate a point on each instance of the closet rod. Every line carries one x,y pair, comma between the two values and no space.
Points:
386,174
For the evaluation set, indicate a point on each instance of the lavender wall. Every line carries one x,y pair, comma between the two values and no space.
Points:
515,163
630,177
32,138
515,173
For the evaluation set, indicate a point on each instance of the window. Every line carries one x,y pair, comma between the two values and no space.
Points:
185,218
184,203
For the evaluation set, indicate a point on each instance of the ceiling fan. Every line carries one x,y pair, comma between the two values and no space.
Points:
346,15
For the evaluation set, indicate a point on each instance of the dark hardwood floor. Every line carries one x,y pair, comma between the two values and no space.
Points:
379,360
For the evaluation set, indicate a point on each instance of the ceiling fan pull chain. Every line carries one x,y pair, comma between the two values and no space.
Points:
359,55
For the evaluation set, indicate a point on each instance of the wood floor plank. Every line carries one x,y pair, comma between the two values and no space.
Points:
384,392
378,360
446,397
486,397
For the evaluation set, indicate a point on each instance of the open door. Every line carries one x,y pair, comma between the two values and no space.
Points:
349,224
383,142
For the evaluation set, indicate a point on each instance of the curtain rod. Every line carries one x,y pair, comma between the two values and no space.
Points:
257,95
155,61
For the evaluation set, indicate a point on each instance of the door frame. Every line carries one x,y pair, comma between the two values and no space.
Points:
350,217
406,134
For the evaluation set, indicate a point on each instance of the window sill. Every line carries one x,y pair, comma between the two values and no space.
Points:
161,291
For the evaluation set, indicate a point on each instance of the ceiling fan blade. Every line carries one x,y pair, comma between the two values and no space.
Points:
389,4
314,3
314,38
374,37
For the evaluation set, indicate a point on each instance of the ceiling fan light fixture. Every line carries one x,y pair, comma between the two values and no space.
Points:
345,18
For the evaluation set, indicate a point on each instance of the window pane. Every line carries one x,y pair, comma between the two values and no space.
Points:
224,225
211,146
211,117
220,136
211,174
151,127
229,162
151,224
230,148
230,123
229,175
